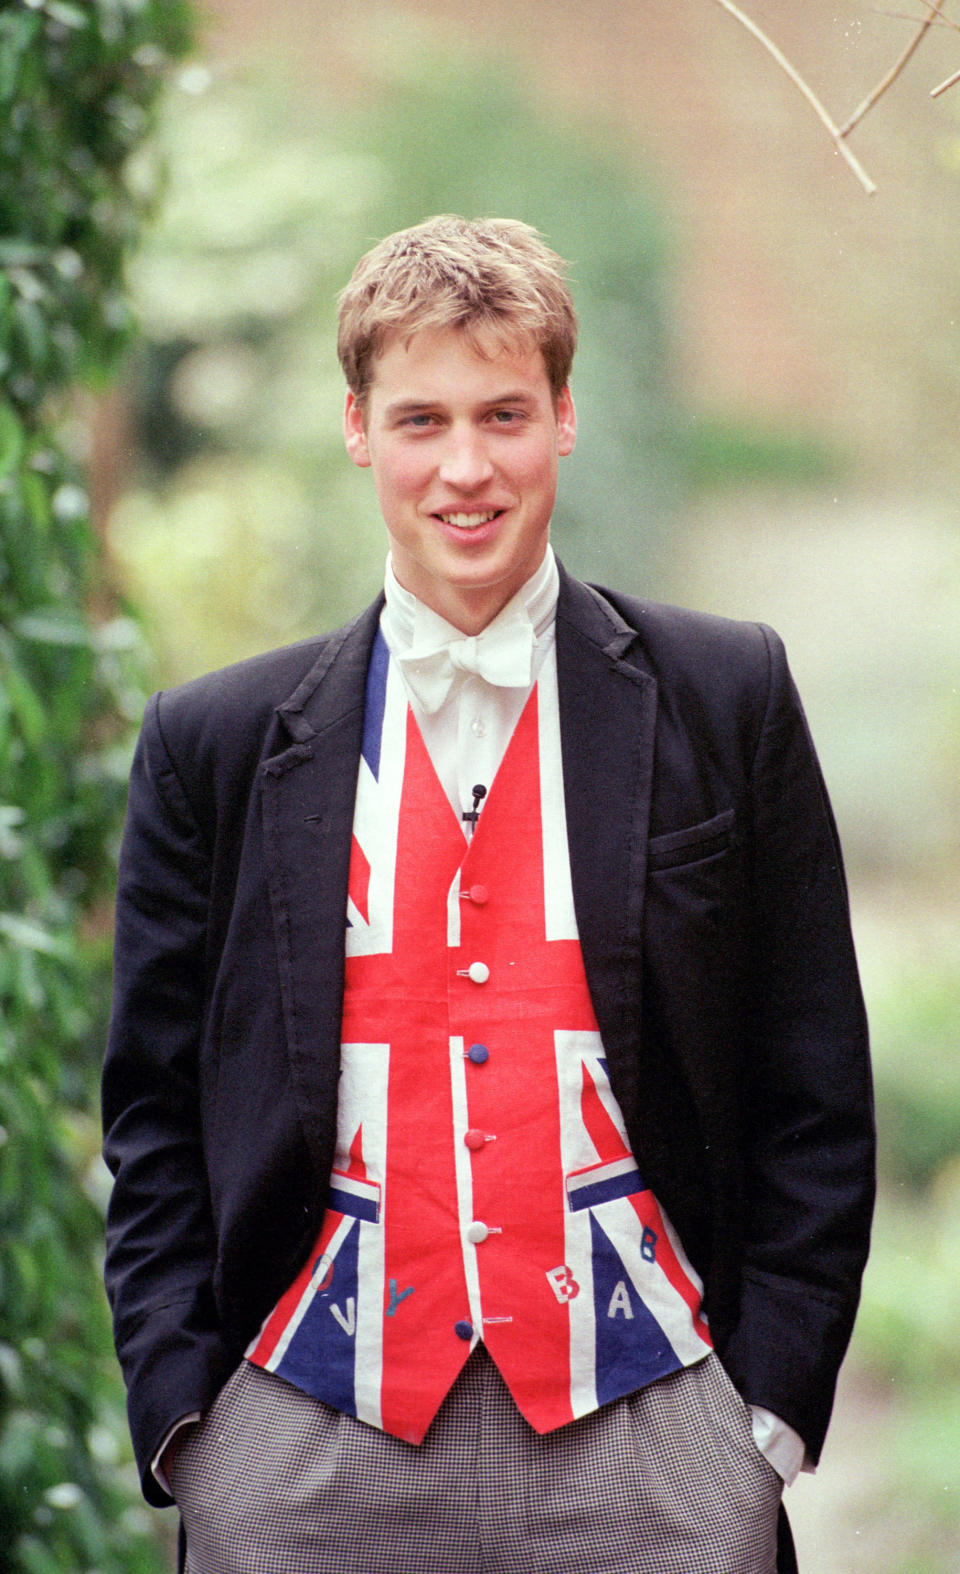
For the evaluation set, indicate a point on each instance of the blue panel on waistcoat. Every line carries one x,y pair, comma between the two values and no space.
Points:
357,1199
632,1348
321,1356
589,1193
375,703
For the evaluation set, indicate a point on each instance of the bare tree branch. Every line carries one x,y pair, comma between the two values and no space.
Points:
905,16
808,93
933,6
951,80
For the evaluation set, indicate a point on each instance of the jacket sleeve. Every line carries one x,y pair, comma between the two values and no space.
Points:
810,1152
160,1238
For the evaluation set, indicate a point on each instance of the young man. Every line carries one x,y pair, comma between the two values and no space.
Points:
487,1089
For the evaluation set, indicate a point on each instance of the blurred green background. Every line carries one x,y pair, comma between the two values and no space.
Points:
768,389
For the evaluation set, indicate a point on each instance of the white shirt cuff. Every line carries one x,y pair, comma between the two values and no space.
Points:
187,1420
779,1444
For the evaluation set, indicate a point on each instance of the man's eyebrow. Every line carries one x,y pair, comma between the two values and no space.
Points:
410,406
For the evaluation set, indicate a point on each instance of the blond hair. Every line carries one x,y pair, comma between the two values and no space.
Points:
485,277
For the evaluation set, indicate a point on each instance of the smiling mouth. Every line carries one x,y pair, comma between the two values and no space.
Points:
470,521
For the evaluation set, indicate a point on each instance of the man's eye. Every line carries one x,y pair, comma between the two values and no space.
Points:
418,421
507,417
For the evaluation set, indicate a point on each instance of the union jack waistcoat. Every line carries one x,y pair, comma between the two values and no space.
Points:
483,1186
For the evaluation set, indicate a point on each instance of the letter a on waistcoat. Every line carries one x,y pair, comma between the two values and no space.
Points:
483,1186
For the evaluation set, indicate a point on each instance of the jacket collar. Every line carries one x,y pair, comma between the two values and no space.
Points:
335,683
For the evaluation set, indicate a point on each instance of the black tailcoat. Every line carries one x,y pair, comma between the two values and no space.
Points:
713,920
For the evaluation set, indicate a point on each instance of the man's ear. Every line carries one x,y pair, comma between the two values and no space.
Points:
354,432
566,423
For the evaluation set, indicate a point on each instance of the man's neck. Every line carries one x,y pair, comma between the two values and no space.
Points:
538,595
470,611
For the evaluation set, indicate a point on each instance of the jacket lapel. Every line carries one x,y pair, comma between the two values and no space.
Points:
607,721
308,798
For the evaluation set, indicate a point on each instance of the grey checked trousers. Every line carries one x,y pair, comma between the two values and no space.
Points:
666,1481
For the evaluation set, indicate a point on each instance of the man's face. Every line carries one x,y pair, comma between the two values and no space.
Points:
464,450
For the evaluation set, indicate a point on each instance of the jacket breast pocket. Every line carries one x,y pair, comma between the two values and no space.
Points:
692,844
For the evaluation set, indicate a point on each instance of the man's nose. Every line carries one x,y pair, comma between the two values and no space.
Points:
465,463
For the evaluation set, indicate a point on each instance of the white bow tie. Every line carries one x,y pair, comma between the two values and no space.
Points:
501,654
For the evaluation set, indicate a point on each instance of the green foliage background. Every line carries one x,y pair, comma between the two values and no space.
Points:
78,85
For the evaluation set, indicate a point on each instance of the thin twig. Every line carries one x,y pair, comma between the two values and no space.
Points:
807,92
936,91
933,6
904,16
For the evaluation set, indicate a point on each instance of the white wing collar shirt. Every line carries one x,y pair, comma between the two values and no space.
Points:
467,692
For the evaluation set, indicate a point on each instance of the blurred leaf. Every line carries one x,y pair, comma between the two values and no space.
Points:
32,936
26,706
11,439
57,627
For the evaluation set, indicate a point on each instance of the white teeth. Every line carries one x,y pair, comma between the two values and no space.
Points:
469,521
